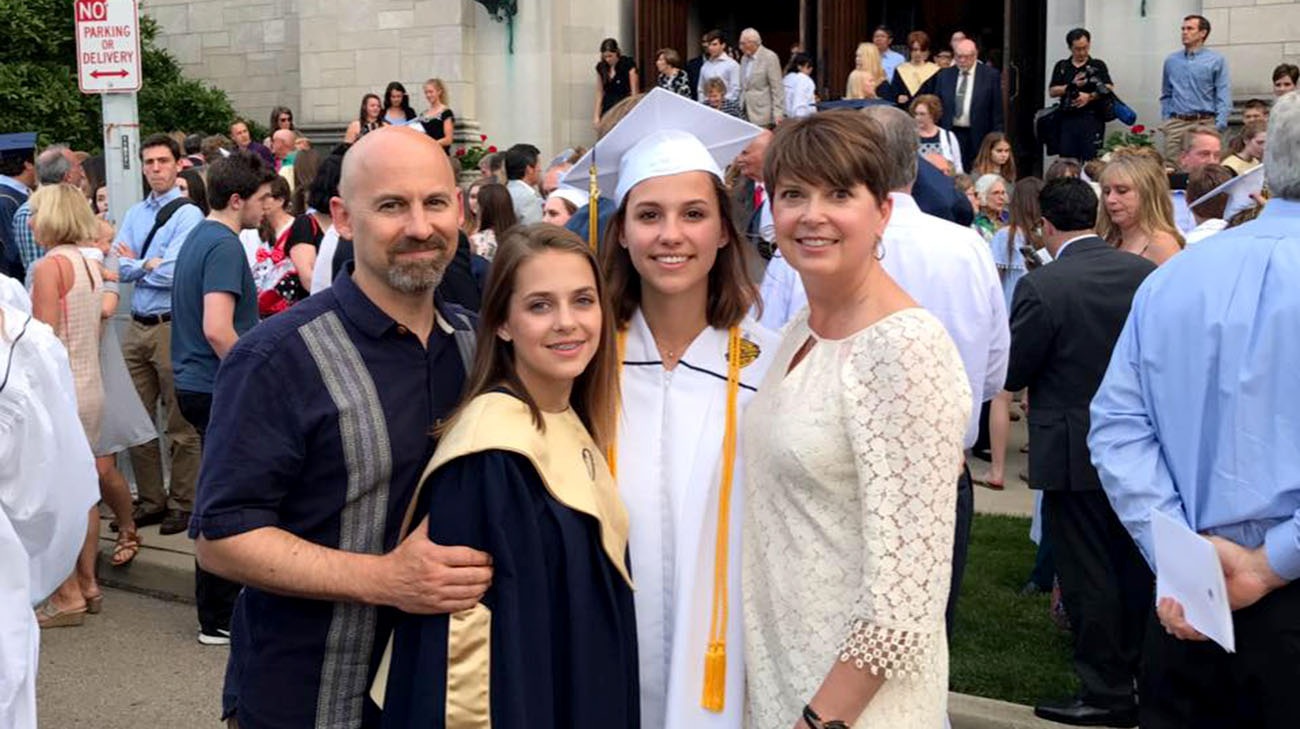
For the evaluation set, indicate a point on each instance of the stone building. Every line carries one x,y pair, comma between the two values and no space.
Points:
532,78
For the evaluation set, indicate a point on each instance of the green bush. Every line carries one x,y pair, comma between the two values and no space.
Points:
38,82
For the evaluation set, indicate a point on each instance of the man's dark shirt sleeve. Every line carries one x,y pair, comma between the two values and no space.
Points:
254,450
224,271
1032,333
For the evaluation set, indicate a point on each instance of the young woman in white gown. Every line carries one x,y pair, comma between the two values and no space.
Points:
691,361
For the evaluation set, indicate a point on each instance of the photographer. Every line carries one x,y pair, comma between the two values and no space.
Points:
1084,86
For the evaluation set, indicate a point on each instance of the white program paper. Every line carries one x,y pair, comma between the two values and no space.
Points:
1188,570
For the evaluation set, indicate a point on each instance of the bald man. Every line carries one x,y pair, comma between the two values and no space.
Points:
971,94
321,424
282,145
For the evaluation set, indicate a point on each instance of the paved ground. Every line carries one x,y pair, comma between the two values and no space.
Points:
137,664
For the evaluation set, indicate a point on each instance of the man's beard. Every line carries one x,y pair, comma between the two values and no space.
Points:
414,277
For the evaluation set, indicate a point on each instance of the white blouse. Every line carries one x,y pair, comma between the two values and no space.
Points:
851,462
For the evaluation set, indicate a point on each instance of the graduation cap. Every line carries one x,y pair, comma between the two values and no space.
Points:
15,144
664,134
572,194
1239,191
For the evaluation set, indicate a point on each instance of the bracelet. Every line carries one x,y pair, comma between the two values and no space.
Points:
815,722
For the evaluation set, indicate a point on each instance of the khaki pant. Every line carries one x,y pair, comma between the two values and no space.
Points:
1174,130
148,354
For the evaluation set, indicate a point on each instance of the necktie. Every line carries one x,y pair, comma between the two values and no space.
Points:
758,196
962,85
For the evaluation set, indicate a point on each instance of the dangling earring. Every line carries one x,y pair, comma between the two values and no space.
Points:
879,252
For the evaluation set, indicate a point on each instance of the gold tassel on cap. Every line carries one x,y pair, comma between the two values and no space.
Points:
715,658
593,205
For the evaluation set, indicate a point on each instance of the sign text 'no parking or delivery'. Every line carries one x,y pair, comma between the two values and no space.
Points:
108,45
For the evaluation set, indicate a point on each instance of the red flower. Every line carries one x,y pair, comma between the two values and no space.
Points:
482,137
492,150
1138,129
460,152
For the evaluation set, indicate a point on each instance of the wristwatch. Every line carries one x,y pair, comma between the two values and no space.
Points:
816,722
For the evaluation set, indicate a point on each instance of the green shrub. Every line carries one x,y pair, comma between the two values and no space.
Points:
38,82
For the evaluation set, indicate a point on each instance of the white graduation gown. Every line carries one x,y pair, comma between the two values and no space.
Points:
669,470
47,485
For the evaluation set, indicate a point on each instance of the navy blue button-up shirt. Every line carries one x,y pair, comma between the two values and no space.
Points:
322,422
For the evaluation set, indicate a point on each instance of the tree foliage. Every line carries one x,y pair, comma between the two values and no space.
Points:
38,81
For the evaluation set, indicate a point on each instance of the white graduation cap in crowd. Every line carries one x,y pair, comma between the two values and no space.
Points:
1239,191
572,194
665,134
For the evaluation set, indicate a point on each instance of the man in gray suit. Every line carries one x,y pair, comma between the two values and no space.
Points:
762,90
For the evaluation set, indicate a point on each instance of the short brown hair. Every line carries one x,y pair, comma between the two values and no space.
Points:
595,392
1287,70
1201,182
838,149
671,57
731,293
714,84
1200,130
932,104
918,38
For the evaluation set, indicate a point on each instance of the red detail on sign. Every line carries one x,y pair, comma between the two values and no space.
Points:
101,74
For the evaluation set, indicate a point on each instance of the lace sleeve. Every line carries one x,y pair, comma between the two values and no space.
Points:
906,403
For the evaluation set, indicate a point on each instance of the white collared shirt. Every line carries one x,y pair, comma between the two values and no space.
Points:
1066,244
725,68
949,270
1206,229
961,117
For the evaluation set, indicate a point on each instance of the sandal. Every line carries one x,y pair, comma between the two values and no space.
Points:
989,484
126,547
50,616
94,604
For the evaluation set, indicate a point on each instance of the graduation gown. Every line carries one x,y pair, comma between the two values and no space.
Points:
669,470
47,486
552,644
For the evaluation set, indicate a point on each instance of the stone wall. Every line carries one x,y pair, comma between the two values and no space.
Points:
247,47
1255,36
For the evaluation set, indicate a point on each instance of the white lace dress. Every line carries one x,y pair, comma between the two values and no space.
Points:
851,465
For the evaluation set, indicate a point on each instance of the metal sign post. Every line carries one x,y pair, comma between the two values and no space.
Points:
108,63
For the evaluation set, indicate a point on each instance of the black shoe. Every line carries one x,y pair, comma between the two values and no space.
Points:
1078,712
176,522
142,518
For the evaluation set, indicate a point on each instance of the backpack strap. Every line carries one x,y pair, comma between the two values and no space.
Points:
463,331
161,219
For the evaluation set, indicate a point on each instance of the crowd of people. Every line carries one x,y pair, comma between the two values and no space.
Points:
427,436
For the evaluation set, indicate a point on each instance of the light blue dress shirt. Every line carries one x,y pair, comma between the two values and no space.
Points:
1199,414
1196,83
153,289
891,59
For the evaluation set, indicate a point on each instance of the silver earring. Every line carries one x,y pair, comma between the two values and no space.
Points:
879,252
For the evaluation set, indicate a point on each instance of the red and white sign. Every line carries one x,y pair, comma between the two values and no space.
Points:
108,46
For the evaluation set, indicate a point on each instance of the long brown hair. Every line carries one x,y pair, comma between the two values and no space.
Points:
496,209
984,160
1025,213
595,393
731,293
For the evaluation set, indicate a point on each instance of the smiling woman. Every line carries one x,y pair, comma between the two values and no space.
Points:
519,473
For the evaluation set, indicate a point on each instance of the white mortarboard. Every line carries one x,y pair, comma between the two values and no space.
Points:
665,134
1239,190
572,194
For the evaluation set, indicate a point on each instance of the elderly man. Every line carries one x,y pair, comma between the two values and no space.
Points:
971,95
1198,417
282,147
762,87
752,206
322,420
54,165
243,139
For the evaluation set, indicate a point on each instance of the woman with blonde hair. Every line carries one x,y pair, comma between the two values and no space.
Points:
867,80
67,294
1137,212
439,121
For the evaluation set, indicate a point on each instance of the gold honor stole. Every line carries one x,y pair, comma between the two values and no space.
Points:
715,658
575,474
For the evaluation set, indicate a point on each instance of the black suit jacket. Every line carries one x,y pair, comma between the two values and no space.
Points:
693,68
985,104
1065,319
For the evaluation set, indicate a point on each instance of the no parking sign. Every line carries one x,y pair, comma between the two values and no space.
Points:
108,46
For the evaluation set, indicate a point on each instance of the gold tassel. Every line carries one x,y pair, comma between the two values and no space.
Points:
715,677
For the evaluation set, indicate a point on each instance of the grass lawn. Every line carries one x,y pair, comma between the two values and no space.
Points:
1006,647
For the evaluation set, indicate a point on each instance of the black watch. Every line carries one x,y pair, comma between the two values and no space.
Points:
816,722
